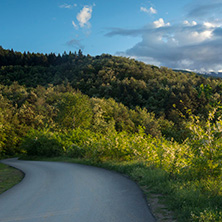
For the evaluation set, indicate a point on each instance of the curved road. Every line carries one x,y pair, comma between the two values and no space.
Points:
64,192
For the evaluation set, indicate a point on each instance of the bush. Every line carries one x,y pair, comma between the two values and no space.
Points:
42,143
206,144
75,151
207,215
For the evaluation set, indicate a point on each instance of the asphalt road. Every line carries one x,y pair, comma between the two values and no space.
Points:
63,192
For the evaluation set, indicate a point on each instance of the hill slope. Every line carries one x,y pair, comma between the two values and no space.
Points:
126,80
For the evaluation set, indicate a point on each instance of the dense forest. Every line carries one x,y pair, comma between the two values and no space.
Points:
114,108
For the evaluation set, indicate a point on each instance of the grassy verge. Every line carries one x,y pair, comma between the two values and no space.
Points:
9,177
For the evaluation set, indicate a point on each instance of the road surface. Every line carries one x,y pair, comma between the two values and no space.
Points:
65,192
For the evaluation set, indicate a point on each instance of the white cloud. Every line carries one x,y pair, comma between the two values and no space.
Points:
213,24
143,9
193,44
186,22
84,16
193,23
201,36
74,25
160,23
185,45
151,10
67,6
209,25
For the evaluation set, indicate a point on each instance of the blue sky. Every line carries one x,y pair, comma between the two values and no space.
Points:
178,34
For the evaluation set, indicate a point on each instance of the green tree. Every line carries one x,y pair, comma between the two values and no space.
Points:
74,110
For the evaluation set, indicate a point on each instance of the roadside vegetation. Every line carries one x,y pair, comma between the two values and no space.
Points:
160,127
9,177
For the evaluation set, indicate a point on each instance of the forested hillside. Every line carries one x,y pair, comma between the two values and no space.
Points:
126,80
109,108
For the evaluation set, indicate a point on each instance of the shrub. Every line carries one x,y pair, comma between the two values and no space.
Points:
75,151
207,215
206,144
42,143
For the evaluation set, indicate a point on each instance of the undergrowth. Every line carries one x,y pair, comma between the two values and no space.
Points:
188,174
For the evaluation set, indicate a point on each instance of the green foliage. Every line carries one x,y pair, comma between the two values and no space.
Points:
42,143
74,142
206,144
141,117
74,110
9,128
126,80
75,151
167,155
208,215
62,108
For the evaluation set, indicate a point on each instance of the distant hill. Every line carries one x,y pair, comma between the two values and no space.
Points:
213,74
206,74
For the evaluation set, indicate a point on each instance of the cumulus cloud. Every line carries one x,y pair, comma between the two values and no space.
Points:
192,42
185,45
84,16
151,10
160,23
